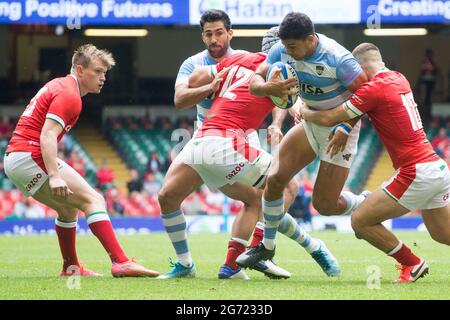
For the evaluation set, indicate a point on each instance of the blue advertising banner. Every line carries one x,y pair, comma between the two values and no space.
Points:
196,224
270,12
405,11
95,12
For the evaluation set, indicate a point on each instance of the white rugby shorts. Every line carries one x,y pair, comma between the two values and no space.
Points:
318,140
420,186
222,160
25,173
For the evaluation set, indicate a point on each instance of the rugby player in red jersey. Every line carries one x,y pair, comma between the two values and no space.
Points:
32,165
422,180
223,157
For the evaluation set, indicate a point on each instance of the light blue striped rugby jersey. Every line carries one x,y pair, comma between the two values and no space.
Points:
187,67
324,75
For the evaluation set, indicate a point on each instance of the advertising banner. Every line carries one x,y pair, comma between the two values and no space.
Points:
406,11
267,12
90,12
196,224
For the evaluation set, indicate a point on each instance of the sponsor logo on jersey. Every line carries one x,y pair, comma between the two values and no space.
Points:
445,197
347,156
307,88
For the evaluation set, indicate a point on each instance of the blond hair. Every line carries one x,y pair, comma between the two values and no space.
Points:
84,54
367,51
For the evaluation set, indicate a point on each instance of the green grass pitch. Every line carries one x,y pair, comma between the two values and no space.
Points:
29,267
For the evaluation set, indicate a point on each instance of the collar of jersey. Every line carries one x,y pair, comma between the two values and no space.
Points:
76,80
382,71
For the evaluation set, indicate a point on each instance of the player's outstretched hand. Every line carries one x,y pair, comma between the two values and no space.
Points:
336,143
215,84
277,87
59,187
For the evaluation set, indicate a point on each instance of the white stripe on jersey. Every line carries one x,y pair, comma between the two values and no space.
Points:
307,67
56,118
330,103
353,109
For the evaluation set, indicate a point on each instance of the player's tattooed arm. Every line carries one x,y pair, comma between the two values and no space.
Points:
273,87
362,78
186,97
202,84
325,118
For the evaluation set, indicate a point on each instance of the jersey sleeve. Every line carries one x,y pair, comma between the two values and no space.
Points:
348,69
186,69
63,108
274,53
362,101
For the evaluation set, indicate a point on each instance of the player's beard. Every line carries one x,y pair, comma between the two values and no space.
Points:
217,51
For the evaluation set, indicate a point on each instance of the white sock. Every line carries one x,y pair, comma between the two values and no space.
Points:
396,249
353,201
241,241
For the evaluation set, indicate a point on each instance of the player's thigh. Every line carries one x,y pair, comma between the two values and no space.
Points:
437,222
293,154
84,197
44,196
329,182
376,208
180,181
242,192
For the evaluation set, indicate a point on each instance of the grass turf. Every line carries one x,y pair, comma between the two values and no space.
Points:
29,267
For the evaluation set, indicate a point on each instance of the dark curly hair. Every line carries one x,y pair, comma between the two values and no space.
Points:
296,25
214,15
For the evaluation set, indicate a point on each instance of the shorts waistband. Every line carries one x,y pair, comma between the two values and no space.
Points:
225,133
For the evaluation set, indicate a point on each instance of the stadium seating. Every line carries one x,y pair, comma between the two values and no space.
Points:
136,139
90,166
135,142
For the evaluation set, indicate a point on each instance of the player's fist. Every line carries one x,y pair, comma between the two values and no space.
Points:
215,84
336,143
277,87
59,187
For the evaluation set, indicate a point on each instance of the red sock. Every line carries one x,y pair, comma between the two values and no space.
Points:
234,250
104,231
405,256
67,240
258,235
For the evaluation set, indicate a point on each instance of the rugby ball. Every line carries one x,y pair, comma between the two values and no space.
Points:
287,72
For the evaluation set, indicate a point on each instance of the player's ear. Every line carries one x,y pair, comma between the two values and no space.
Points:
79,69
230,33
309,40
203,38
